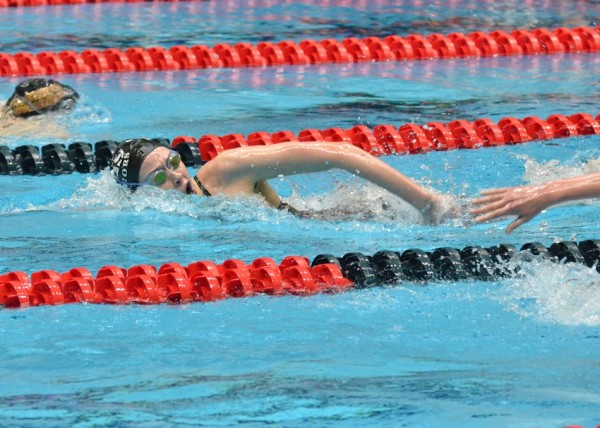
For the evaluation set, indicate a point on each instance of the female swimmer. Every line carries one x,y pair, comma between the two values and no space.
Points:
245,170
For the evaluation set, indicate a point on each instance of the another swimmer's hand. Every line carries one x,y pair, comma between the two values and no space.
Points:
524,201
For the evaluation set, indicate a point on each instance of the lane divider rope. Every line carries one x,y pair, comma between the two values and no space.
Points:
305,52
410,138
206,281
382,140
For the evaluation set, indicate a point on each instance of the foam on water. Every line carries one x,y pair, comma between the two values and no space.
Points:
88,112
567,294
347,202
542,172
104,193
358,202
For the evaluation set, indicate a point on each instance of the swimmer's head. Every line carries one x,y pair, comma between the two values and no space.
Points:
129,157
143,161
38,96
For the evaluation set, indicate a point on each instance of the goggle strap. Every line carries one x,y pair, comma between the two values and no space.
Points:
28,103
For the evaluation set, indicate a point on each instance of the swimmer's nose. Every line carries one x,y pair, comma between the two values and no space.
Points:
176,178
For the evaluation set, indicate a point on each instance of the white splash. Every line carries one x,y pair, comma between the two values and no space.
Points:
88,113
102,192
366,202
567,294
538,173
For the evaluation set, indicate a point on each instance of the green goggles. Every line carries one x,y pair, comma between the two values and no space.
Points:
159,177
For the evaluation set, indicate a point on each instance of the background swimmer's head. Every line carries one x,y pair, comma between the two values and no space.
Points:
38,96
129,157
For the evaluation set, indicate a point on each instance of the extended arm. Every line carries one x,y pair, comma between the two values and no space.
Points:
528,201
271,197
239,168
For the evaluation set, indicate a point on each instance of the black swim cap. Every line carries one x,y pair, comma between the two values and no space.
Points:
128,159
37,96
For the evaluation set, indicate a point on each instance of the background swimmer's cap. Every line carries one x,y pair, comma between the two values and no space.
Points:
37,96
128,159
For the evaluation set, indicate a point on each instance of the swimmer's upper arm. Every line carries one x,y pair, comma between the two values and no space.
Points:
267,162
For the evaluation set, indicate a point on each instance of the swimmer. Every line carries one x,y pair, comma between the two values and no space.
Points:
35,97
528,201
245,170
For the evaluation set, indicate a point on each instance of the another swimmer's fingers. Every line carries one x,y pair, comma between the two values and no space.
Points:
495,191
489,216
487,199
492,195
518,222
498,207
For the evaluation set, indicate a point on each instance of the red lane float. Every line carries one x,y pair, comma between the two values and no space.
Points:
412,138
202,281
287,52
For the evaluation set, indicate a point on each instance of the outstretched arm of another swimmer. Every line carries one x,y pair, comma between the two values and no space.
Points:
528,201
239,170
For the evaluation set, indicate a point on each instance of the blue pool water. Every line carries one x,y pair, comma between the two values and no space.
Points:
520,352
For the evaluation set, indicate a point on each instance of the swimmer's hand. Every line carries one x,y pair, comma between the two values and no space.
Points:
524,201
440,209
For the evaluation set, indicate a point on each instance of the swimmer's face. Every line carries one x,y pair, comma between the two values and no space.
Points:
162,164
